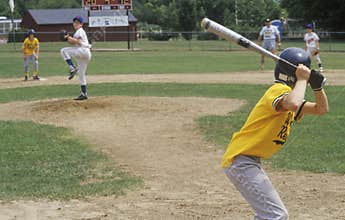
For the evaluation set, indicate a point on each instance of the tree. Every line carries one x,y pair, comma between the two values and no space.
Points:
187,16
329,14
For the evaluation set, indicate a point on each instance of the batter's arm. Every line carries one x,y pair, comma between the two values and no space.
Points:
320,107
295,98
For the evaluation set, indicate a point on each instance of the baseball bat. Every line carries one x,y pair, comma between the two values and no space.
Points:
230,35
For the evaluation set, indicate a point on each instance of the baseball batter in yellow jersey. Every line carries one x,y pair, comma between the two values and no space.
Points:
31,52
267,129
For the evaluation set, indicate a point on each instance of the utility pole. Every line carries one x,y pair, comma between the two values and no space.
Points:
236,13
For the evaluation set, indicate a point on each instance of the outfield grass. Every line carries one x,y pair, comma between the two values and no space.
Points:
42,161
318,146
153,62
176,45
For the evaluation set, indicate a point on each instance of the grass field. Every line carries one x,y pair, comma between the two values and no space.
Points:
177,45
43,168
45,161
314,149
153,62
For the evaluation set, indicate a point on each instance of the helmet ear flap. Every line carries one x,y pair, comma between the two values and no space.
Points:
290,80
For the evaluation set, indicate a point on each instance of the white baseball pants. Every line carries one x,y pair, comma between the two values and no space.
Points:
83,57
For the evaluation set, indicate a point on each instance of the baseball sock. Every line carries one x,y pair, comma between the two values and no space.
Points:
83,90
320,65
35,73
70,63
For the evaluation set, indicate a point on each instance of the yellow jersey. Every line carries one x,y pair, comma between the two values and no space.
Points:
265,131
29,46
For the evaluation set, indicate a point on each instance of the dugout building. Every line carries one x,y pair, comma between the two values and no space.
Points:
49,22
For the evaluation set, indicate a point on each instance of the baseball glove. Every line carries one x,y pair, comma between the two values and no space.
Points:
63,35
315,52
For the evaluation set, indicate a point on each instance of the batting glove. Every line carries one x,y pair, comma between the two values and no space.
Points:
316,80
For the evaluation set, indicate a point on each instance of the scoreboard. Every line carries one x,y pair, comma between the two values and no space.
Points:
97,5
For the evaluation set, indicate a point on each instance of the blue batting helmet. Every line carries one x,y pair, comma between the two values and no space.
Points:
31,31
284,72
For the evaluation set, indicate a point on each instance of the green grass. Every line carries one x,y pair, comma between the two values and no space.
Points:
153,62
42,161
318,145
177,45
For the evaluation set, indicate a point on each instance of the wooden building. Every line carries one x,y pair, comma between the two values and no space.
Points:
49,22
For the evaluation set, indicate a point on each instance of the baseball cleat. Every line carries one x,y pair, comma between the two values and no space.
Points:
26,78
321,69
81,97
36,77
72,73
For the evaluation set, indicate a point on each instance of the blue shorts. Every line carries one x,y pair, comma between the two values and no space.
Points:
269,44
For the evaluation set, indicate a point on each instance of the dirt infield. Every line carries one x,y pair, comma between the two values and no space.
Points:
335,77
156,138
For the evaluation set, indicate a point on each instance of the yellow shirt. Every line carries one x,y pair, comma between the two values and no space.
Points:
29,46
265,130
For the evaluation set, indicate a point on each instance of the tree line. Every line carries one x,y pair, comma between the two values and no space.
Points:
185,15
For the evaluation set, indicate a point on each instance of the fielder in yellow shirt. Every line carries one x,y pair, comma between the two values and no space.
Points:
30,52
266,131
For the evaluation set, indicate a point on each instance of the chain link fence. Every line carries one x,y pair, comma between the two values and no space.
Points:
165,41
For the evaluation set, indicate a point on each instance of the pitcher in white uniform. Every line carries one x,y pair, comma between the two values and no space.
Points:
81,52
312,47
268,35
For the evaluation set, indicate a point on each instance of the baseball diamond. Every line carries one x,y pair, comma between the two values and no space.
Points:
171,110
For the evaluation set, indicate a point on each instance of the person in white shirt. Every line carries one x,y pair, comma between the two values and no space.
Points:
268,36
312,47
81,52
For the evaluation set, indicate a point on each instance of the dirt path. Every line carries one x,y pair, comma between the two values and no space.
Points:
335,77
155,138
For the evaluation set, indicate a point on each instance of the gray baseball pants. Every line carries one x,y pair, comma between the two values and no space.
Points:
27,62
253,183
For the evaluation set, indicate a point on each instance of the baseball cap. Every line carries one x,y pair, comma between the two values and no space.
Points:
309,26
78,18
267,20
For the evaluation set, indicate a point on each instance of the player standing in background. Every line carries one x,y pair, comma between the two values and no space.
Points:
268,36
266,131
31,50
313,45
81,52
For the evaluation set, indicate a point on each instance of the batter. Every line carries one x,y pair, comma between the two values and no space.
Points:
266,131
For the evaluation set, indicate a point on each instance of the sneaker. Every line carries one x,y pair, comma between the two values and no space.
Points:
26,78
72,73
36,77
81,97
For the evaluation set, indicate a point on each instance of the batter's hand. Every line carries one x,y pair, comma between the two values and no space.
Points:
302,72
316,80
